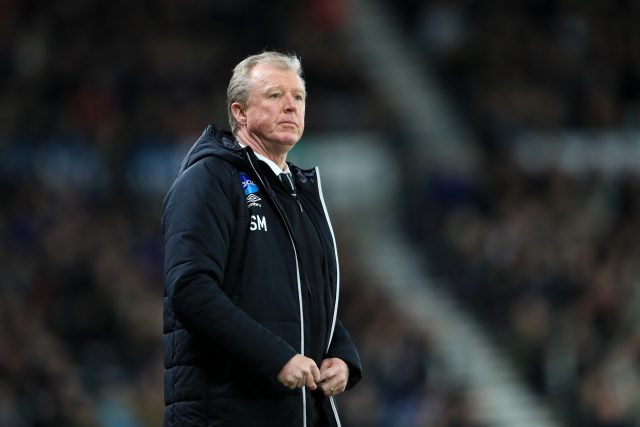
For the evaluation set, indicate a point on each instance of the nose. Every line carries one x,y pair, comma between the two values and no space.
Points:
289,103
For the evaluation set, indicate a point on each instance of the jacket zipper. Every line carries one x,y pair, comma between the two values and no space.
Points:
294,193
295,253
335,304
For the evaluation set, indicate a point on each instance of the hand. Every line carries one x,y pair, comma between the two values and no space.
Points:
334,374
298,372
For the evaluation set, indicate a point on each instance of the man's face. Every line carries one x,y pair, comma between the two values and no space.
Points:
275,109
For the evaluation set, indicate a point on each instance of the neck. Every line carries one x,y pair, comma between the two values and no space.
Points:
258,146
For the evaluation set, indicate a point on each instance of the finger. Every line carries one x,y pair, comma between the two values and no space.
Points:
315,372
333,390
329,389
310,383
301,381
326,363
289,384
292,382
334,385
339,372
328,373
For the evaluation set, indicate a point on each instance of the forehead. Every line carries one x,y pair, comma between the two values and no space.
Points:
267,75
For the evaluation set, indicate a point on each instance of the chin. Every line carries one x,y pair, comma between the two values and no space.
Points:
289,139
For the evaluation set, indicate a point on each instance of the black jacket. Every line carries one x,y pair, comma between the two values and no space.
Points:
233,295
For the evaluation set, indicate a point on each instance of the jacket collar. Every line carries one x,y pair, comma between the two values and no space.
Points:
213,142
272,165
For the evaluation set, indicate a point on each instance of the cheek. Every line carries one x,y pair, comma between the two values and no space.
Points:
261,119
268,115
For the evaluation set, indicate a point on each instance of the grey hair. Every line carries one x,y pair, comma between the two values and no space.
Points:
240,83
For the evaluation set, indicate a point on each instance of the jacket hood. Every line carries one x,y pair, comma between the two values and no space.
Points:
213,142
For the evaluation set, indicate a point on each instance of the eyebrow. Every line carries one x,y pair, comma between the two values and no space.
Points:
302,91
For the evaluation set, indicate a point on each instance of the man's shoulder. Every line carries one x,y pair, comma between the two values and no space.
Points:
219,165
213,167
209,175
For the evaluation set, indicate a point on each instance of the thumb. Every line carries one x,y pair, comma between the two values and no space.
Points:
310,383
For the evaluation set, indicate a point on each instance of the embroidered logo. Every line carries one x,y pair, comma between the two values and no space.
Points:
248,185
252,200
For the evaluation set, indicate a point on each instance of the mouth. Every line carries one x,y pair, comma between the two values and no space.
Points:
288,123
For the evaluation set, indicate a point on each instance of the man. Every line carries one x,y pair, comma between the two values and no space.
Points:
252,283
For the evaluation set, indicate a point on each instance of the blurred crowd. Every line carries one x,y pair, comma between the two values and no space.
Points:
549,264
98,102
121,73
533,63
547,259
79,308
406,382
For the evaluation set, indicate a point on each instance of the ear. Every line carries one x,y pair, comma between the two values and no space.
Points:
239,114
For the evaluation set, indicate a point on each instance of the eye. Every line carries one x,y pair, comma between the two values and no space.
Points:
299,98
274,95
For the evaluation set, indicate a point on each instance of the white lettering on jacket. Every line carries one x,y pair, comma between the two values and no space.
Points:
258,222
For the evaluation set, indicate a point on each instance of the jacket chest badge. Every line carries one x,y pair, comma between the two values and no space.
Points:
250,190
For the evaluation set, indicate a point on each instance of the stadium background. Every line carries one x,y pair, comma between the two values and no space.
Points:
534,234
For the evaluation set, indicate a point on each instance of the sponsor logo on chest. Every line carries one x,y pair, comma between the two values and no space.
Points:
258,222
250,190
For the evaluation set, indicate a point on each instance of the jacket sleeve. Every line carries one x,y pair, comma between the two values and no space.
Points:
198,222
343,348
